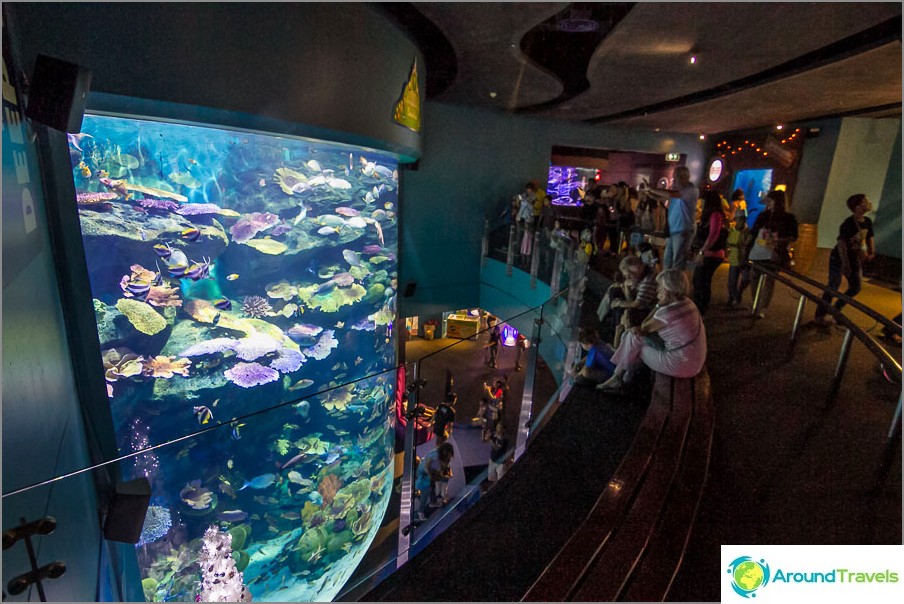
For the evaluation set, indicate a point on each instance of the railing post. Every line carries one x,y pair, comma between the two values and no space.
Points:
756,297
527,398
535,260
485,242
557,263
510,256
842,362
407,494
800,313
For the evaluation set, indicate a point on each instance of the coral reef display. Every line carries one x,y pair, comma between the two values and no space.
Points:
244,287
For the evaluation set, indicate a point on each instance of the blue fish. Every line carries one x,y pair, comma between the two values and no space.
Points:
223,304
235,431
259,482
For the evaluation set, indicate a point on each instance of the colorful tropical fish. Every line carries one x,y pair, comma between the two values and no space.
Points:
232,277
203,414
163,250
191,234
223,304
259,482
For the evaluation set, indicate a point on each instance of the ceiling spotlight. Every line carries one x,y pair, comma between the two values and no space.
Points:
656,130
778,126
693,59
702,136
492,95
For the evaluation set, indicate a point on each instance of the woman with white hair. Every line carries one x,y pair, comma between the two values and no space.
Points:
671,340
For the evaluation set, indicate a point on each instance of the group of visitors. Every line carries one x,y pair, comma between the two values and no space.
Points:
704,230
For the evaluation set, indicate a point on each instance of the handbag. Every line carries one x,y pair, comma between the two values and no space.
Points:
762,248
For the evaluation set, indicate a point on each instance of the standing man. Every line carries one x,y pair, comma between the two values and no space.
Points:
681,216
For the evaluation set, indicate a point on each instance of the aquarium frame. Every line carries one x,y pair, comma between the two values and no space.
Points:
70,261
111,105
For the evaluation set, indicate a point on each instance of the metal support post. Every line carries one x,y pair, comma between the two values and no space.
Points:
800,313
842,362
510,256
557,264
407,494
535,260
756,297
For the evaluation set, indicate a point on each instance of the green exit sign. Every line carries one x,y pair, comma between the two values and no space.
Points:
672,156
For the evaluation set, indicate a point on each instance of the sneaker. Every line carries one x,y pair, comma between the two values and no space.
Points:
760,315
614,383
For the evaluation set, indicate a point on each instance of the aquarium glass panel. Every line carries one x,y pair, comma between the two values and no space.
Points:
234,273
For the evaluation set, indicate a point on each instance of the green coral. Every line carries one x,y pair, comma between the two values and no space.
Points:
240,535
375,292
359,272
336,298
149,586
142,316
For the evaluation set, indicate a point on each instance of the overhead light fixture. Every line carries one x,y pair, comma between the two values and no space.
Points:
656,129
778,126
702,136
693,59
492,95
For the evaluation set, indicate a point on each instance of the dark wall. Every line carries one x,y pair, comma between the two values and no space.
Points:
473,162
888,216
815,167
335,66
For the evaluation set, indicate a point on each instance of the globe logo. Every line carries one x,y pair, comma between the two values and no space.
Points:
748,575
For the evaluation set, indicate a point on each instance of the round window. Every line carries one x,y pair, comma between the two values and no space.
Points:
715,170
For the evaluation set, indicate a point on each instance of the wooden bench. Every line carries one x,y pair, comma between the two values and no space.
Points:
632,542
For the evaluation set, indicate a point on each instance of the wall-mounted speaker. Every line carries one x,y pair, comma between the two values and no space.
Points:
130,505
57,94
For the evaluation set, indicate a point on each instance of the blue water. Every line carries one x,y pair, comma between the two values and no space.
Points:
252,320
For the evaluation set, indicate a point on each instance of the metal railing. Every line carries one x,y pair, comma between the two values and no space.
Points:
891,365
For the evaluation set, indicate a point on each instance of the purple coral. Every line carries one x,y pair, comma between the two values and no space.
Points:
256,307
251,224
289,360
280,230
304,334
255,346
323,347
249,375
95,197
213,346
164,205
196,209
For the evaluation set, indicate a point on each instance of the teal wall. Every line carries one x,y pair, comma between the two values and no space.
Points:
860,165
43,433
813,171
473,162
888,216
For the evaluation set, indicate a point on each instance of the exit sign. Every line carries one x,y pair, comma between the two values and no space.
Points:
672,156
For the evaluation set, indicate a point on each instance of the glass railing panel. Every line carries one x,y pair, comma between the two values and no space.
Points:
303,488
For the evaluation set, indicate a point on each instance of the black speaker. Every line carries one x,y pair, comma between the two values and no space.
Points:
409,289
130,505
57,94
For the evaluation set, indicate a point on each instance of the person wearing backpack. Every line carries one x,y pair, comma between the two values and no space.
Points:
714,235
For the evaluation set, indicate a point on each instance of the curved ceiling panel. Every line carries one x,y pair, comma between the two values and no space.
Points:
731,40
486,37
868,80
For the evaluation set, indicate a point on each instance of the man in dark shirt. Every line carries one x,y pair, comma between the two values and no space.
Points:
855,244
443,418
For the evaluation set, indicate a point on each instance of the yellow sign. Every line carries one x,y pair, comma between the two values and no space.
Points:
408,108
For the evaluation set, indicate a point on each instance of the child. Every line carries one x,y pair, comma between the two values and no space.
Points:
429,471
520,344
492,403
855,244
738,270
639,295
597,366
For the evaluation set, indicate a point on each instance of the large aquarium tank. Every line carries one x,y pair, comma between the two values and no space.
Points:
244,288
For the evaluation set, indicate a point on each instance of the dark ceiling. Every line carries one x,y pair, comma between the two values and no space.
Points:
629,64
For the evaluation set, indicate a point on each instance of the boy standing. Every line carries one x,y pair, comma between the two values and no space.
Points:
855,244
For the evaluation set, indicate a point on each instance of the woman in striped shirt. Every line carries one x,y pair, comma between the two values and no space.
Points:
640,294
671,341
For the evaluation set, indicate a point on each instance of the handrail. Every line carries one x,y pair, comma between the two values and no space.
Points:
847,299
871,344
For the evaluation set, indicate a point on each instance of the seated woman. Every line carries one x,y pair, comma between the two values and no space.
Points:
672,340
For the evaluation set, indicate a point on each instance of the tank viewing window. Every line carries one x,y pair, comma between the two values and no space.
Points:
231,273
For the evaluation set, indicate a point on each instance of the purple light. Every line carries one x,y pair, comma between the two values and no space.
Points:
509,335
